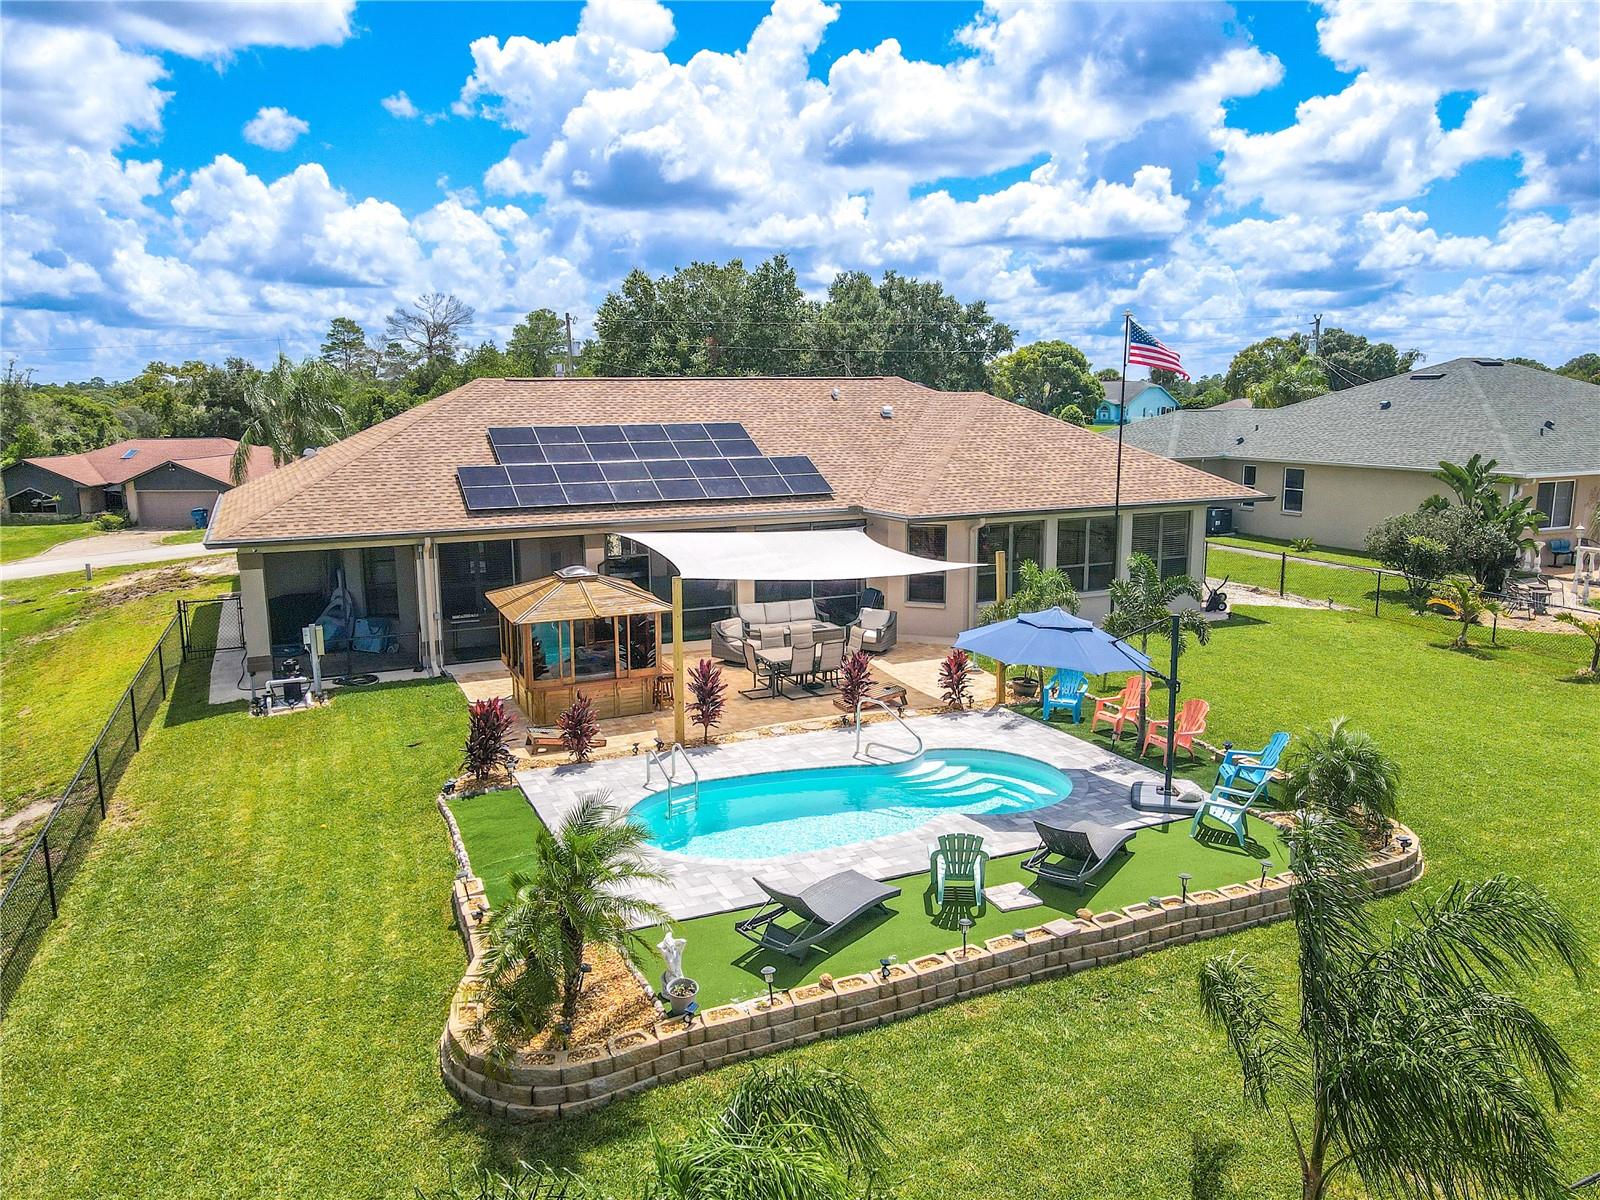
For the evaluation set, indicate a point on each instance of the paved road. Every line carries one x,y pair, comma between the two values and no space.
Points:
128,548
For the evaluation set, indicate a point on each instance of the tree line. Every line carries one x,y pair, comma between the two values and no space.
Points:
703,319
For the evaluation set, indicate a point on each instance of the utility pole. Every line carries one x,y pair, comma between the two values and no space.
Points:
569,345
1316,336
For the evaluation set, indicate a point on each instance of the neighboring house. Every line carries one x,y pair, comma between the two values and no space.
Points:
952,475
1337,465
1145,400
156,482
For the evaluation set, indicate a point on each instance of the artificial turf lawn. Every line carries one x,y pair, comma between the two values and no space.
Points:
24,541
498,827
245,992
68,650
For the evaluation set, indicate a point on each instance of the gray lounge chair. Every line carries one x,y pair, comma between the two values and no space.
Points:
1071,856
824,908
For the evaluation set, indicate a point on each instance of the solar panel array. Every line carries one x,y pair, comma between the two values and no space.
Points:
560,466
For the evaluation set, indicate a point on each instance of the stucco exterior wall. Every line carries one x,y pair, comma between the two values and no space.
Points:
1341,503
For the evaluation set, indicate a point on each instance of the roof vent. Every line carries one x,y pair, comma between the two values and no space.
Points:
1427,375
1239,441
887,412
309,452
1385,404
577,572
835,392
1489,362
1550,425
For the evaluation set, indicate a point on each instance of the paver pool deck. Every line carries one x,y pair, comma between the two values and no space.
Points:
697,886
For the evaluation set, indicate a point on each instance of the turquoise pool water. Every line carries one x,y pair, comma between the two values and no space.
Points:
790,812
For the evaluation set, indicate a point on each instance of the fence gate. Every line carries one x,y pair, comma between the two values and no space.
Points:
209,626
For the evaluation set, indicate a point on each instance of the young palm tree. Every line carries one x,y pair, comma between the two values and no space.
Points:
1037,590
1343,772
292,408
1407,1066
787,1133
1462,596
1591,630
578,893
1141,604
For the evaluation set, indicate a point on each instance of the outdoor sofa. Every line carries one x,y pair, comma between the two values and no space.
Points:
769,624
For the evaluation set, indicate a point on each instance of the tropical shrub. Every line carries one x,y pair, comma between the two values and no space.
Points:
489,727
1141,605
1037,590
1407,1065
578,891
1303,545
110,522
1413,545
579,727
1462,597
855,679
786,1133
708,696
955,680
1591,630
1343,773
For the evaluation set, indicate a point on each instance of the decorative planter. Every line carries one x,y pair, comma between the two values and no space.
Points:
680,994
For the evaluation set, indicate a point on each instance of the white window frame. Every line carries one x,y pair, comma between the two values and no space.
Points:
1555,492
1283,493
1247,476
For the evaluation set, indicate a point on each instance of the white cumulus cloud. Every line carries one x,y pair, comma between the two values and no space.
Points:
274,129
400,105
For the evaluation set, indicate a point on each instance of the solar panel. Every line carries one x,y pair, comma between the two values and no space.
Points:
562,466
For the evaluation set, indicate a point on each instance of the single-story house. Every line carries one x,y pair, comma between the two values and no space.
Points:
1145,400
156,482
506,480
1338,464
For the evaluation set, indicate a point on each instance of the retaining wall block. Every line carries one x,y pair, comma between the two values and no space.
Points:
634,1047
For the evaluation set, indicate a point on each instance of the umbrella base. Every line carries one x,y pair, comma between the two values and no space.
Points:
1147,797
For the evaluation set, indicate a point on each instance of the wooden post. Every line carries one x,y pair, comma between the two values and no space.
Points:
678,716
999,598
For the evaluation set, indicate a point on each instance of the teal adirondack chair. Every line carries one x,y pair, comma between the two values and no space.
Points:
1229,806
1065,692
957,862
1257,772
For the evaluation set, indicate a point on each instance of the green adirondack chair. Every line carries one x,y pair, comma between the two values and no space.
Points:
957,862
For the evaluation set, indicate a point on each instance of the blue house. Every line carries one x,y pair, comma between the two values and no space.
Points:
1145,399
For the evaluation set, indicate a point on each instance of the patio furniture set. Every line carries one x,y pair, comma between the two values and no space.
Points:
785,641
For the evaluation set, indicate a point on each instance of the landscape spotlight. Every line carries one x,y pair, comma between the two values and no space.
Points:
1183,880
767,973
966,924
1266,865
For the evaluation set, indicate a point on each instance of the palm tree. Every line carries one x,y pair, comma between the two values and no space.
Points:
1590,629
1474,481
291,409
578,893
1407,1066
1142,603
786,1133
1343,772
1462,596
1037,590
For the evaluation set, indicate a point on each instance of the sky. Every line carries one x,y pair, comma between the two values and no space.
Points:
196,180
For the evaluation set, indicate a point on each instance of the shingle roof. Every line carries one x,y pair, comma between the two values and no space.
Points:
941,454
211,456
1447,412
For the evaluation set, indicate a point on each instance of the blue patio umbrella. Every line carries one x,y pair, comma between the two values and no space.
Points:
1053,638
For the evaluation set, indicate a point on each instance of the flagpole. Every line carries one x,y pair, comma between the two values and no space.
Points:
1122,421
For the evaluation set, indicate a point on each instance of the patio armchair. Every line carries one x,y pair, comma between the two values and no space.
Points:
727,639
1230,806
1065,692
957,863
1116,711
1252,768
763,675
1562,548
1191,723
878,629
1071,856
824,908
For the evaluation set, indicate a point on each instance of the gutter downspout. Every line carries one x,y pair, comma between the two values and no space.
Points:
424,659
430,568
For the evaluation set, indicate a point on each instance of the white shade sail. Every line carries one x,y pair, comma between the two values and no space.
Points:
788,555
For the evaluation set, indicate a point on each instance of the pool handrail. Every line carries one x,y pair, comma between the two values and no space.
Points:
669,757
886,708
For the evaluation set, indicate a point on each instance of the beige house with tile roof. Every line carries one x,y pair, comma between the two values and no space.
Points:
955,475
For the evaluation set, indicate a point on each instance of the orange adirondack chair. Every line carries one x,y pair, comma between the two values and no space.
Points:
1116,711
1191,721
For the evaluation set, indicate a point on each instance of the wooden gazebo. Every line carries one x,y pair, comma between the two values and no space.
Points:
576,631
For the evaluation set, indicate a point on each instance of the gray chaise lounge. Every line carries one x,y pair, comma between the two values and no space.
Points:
825,907
1071,856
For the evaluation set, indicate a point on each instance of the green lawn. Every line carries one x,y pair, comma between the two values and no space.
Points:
497,829
187,538
68,649
250,974
1272,545
24,541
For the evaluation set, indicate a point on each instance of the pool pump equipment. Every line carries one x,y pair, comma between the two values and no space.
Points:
287,689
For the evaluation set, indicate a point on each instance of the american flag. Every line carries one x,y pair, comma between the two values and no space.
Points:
1145,350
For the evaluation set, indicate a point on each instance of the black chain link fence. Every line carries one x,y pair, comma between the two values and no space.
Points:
33,892
1524,622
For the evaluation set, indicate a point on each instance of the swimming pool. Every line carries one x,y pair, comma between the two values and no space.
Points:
790,812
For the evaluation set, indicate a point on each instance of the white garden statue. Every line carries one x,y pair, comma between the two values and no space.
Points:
672,954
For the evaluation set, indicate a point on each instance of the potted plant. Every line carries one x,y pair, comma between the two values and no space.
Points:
680,994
